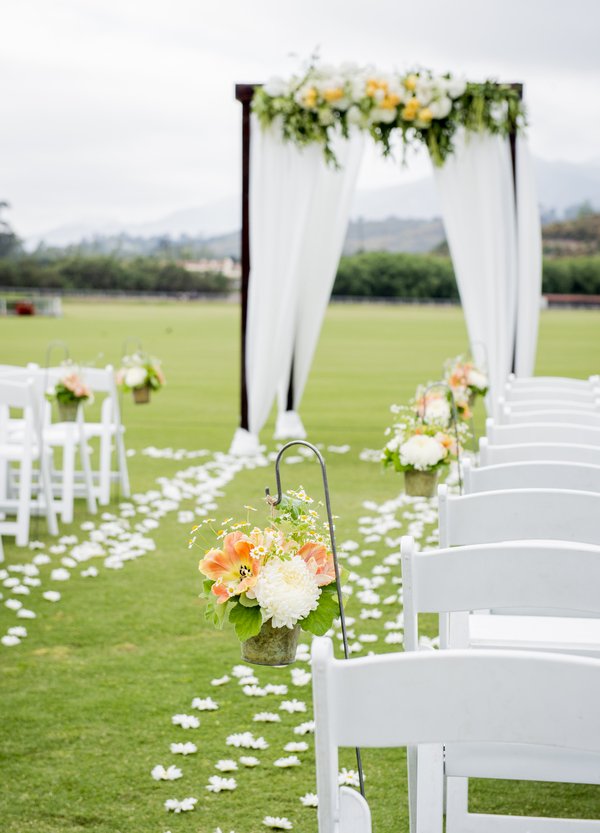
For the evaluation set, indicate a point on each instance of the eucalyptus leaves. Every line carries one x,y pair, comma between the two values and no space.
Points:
419,106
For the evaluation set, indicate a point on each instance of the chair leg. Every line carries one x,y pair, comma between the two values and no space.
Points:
46,489
68,481
105,468
430,793
24,503
457,804
122,463
87,474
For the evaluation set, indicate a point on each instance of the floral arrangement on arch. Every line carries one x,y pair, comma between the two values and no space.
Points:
417,445
282,573
421,106
463,375
140,371
71,388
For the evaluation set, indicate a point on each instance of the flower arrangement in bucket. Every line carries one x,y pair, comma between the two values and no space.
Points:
464,377
69,392
140,374
272,581
419,448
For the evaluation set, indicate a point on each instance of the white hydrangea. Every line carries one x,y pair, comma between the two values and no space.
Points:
135,377
421,452
286,591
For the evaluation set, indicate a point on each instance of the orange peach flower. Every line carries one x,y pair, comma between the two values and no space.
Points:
319,562
233,569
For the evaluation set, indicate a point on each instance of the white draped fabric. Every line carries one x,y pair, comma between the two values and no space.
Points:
324,236
299,210
529,265
478,207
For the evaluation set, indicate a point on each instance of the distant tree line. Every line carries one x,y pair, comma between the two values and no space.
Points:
105,273
391,275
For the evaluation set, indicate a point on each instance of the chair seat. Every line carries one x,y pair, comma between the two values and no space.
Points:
521,762
536,633
13,451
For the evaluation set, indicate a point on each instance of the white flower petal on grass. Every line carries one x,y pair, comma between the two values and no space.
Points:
277,823
394,638
296,746
251,680
183,748
348,778
292,706
68,562
216,784
226,766
271,688
24,613
368,637
10,641
21,590
291,760
242,671
254,691
306,728
300,677
13,604
220,680
186,721
51,595
246,740
204,704
91,572
266,717
249,760
310,800
60,574
183,806
41,559
172,773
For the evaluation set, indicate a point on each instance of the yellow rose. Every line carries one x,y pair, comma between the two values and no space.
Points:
333,94
410,82
390,101
310,97
425,114
408,113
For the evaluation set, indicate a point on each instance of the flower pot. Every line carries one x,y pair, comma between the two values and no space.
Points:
420,483
272,646
141,395
67,411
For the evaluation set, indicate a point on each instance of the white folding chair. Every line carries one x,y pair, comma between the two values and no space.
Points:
457,697
108,430
518,514
536,575
546,474
552,404
554,416
20,495
541,433
491,455
579,398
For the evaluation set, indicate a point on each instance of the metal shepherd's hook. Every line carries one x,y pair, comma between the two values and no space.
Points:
454,414
275,501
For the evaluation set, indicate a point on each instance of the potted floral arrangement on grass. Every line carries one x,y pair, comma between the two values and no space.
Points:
271,581
419,449
466,378
69,392
140,374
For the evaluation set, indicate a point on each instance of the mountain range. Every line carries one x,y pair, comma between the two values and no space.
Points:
561,185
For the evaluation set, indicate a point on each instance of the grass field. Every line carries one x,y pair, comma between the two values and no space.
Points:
87,698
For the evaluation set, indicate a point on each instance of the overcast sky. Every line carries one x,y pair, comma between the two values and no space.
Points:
125,109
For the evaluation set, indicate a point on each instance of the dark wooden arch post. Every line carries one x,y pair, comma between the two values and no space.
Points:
512,138
244,93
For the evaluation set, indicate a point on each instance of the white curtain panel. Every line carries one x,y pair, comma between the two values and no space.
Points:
316,268
283,179
478,207
529,237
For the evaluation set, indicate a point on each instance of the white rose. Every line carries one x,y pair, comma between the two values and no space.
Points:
437,410
456,87
477,379
382,114
355,116
135,377
276,86
441,108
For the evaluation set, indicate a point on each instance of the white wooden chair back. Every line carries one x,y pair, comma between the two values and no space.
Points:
518,514
557,575
580,397
541,433
559,382
545,474
508,416
492,455
406,699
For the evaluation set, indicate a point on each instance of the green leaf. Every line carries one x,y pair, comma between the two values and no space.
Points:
246,602
320,620
247,621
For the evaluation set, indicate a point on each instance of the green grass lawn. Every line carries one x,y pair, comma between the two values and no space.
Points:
87,698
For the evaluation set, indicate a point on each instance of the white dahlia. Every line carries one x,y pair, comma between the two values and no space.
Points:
135,377
437,410
286,591
421,452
